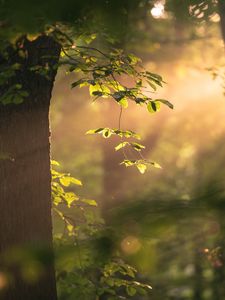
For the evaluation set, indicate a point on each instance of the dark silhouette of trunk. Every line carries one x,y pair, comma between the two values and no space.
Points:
218,282
25,179
221,5
198,280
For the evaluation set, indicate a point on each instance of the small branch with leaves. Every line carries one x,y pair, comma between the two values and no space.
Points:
103,73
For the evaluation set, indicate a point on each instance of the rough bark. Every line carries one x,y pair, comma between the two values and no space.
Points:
25,180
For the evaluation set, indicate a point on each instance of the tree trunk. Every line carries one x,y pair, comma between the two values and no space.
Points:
26,256
221,5
198,288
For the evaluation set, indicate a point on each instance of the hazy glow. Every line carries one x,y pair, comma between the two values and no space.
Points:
130,245
215,18
158,10
3,281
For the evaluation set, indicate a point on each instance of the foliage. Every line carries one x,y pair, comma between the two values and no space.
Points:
218,72
87,265
192,10
103,72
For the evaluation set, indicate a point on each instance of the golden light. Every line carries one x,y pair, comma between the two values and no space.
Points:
215,18
3,281
157,11
130,244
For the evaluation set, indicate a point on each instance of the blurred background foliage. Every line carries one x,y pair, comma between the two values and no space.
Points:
168,223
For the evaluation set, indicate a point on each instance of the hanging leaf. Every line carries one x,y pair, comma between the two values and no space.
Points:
106,133
70,197
54,162
152,85
89,202
128,162
75,181
121,145
97,93
78,82
155,165
93,131
123,102
166,102
137,146
119,95
153,106
65,181
69,227
141,167
104,90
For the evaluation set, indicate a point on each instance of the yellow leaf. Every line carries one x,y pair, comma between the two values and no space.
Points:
142,168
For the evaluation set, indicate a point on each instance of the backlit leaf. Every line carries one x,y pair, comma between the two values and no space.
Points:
123,102
153,106
121,145
54,162
106,133
142,168
155,165
166,102
89,202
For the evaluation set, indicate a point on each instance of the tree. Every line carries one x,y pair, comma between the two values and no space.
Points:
25,170
28,68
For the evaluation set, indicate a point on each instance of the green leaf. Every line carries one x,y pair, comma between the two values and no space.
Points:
106,133
131,291
54,162
119,95
155,76
18,99
57,200
24,94
78,82
137,146
93,131
166,102
90,202
100,89
153,106
70,197
152,85
121,145
65,181
94,88
133,59
69,227
75,181
129,133
97,93
155,165
128,162
7,99
141,167
139,100
123,102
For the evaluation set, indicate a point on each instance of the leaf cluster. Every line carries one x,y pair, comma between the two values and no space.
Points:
104,74
93,269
